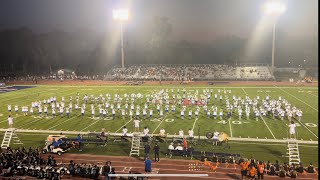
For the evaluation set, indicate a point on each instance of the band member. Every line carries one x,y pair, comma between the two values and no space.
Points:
292,130
215,137
191,136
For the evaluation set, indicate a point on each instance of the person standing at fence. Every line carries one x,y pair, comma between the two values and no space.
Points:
146,151
79,141
156,149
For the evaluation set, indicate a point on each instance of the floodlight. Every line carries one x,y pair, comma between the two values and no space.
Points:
274,8
120,14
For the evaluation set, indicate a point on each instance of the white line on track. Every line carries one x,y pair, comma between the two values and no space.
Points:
297,99
63,122
267,127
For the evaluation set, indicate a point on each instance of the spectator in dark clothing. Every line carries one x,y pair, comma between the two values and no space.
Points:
214,158
107,170
146,150
191,150
53,162
113,172
156,149
282,173
272,171
310,168
277,166
147,166
300,168
79,141
72,168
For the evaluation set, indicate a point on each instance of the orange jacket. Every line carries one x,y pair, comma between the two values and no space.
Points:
260,168
244,165
252,171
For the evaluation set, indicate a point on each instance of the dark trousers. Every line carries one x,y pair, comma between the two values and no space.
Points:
260,175
156,156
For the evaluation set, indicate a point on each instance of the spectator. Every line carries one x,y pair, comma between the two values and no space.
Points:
113,172
299,169
179,148
170,149
215,159
310,168
260,170
79,141
156,149
191,150
252,171
277,166
272,171
146,150
282,173
107,170
147,165
72,168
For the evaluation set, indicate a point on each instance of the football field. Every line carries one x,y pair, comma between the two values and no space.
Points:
304,98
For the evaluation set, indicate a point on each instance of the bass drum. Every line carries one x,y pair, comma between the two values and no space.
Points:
209,135
223,137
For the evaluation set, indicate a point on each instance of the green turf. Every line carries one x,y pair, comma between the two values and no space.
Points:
304,98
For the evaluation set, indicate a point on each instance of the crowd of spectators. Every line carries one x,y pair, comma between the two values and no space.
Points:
253,168
28,163
255,72
174,72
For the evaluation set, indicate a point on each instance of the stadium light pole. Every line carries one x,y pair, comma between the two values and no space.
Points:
274,9
121,15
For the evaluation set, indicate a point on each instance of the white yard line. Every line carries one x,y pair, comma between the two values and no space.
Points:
267,127
297,99
307,92
159,124
14,117
163,119
230,128
89,125
307,128
63,122
244,91
194,124
28,123
262,143
123,125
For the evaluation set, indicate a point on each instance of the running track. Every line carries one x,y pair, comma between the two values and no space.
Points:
165,166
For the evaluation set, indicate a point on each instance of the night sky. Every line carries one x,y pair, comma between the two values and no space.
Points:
194,20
